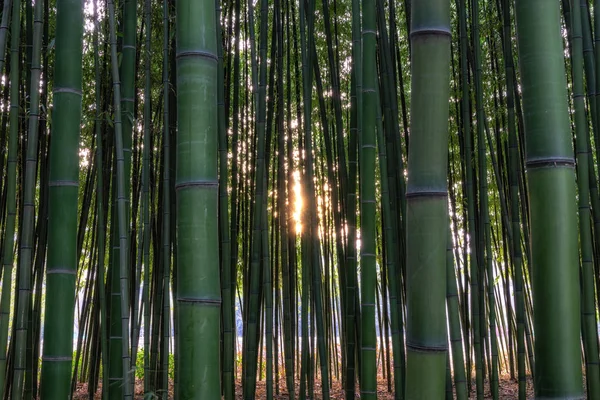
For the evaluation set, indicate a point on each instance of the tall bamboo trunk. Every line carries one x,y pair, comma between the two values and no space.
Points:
101,229
198,279
551,184
367,152
427,209
120,380
63,193
588,309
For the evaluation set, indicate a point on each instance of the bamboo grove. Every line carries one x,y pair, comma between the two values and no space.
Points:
204,199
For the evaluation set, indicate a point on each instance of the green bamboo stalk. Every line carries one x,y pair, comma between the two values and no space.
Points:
9,227
173,207
34,350
267,250
291,165
259,77
8,252
235,188
466,131
146,190
551,184
157,307
166,281
23,290
166,251
100,208
368,371
283,211
228,305
588,310
27,238
126,69
198,282
125,386
355,133
268,300
452,309
427,211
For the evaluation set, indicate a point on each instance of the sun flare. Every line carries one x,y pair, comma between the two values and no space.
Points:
298,202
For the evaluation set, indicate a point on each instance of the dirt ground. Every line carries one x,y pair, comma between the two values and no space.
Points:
508,390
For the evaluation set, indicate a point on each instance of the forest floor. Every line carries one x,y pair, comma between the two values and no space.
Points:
508,390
